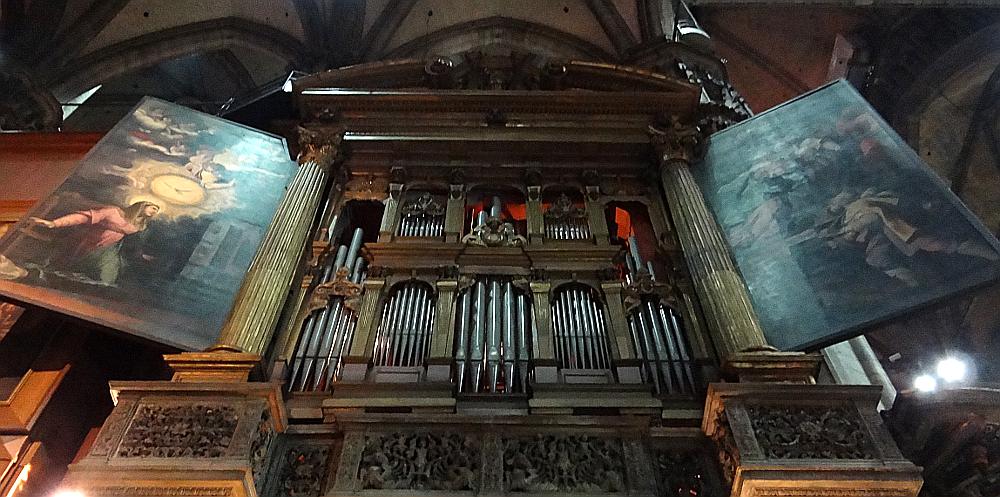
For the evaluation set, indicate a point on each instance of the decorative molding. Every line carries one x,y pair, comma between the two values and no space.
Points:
321,147
191,431
340,286
801,432
113,427
420,461
725,106
564,210
643,284
564,463
260,447
164,491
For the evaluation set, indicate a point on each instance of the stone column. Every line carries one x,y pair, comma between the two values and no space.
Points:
253,318
443,339
731,318
454,213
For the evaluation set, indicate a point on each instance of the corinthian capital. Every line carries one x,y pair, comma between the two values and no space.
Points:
676,141
322,147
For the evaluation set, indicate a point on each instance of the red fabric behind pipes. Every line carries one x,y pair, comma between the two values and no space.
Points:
624,222
518,212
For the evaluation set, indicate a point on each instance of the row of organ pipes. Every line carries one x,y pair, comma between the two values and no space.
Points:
494,327
327,333
422,217
404,332
657,335
494,322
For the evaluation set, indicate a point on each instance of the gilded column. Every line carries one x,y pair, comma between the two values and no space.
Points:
258,303
731,318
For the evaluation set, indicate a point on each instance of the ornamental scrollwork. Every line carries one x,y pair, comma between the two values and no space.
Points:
563,210
303,470
494,232
340,286
676,140
643,284
725,106
564,463
323,148
420,461
796,432
423,206
197,431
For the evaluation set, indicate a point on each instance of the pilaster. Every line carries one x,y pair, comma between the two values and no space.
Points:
391,212
546,369
454,213
595,215
535,216
252,321
443,339
356,362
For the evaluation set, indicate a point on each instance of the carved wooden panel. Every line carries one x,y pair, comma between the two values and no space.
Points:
803,432
420,461
194,430
563,463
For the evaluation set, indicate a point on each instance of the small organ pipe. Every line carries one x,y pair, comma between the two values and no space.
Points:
355,247
522,344
508,335
462,340
477,334
493,334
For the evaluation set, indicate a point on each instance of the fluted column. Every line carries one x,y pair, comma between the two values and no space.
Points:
258,303
732,321
390,213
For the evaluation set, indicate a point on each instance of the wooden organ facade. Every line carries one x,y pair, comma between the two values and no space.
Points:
494,275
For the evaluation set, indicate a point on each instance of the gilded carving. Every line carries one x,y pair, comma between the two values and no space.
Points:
340,286
196,430
495,233
171,491
564,463
563,210
643,284
797,432
320,147
420,461
423,206
728,453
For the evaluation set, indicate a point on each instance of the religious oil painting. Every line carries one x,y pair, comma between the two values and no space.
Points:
153,232
835,223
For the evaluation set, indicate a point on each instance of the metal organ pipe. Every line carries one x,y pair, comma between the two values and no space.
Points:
318,357
404,332
658,336
580,332
493,333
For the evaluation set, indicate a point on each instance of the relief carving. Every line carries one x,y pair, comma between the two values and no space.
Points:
423,206
113,426
495,233
197,430
564,463
340,286
260,447
303,471
563,210
681,472
728,453
795,432
420,461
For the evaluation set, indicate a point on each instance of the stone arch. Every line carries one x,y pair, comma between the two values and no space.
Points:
218,34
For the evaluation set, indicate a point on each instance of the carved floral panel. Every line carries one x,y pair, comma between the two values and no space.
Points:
563,463
196,430
797,432
420,461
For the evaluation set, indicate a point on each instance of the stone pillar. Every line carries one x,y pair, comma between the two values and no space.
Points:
390,213
546,368
454,214
536,219
253,318
595,216
443,339
360,352
732,320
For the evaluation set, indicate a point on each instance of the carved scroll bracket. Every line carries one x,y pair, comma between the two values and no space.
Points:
643,284
340,286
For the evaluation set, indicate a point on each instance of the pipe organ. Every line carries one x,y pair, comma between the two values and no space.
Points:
565,221
405,328
423,216
580,331
328,331
493,335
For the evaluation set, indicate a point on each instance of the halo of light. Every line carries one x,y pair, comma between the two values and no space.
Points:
951,369
925,383
68,492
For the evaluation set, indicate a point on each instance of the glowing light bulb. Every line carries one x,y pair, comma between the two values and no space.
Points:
952,370
925,383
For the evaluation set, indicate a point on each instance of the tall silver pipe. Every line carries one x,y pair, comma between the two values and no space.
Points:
409,324
600,335
419,330
659,334
463,315
478,330
329,336
681,343
633,248
645,328
341,256
522,341
392,352
493,334
496,207
508,335
352,252
347,337
571,331
560,333
583,329
382,337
